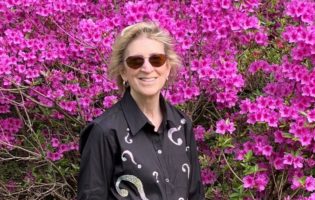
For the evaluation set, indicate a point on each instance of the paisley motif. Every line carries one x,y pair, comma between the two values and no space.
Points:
134,180
123,158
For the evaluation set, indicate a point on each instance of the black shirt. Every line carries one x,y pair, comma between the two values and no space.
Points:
123,158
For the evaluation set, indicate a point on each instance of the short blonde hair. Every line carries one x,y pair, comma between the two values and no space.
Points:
130,33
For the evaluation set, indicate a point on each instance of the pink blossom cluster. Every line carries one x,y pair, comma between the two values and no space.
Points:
263,110
9,128
224,126
258,181
199,132
301,181
60,149
208,176
301,10
259,145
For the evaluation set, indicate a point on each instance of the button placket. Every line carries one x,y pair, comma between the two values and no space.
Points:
157,144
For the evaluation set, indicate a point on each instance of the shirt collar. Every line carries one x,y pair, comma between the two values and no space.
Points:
135,117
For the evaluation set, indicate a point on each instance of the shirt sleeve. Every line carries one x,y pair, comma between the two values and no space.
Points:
196,190
96,165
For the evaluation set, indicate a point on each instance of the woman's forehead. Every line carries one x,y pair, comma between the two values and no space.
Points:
144,46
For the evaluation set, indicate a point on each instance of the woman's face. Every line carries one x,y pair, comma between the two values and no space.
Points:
146,81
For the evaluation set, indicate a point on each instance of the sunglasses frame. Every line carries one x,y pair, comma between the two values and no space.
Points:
160,55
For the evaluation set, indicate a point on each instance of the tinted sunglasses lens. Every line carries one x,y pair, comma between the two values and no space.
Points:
135,62
157,60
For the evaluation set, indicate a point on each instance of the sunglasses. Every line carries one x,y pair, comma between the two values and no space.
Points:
156,60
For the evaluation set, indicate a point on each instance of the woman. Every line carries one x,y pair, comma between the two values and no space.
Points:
142,147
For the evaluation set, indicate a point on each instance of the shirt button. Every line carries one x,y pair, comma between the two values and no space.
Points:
167,180
159,151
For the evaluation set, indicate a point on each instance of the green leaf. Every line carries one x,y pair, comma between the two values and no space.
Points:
248,156
295,139
287,135
235,196
225,141
251,169
302,180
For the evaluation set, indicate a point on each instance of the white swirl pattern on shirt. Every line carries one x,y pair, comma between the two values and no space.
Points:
134,180
128,141
156,175
186,169
123,158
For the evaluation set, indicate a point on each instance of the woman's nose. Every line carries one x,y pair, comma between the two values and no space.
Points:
146,67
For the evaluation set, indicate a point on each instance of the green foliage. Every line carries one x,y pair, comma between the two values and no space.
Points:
224,141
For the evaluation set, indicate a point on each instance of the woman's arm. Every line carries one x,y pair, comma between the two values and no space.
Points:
96,166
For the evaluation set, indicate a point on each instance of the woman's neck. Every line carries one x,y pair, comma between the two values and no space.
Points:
150,106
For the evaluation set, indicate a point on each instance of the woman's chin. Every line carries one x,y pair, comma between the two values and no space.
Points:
146,91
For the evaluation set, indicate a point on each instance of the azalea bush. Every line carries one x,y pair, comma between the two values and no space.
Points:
247,81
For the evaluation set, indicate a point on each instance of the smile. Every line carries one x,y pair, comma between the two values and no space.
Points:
148,79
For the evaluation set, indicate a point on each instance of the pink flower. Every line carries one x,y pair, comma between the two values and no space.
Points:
244,106
261,181
296,183
11,185
267,150
208,176
257,65
224,126
305,139
109,101
310,183
70,106
190,92
312,197
199,133
251,22
240,155
248,146
73,146
53,156
278,137
248,181
272,121
225,4
298,162
288,159
278,163
310,162
63,148
311,116
310,38
55,142
261,38
308,18
258,181
85,102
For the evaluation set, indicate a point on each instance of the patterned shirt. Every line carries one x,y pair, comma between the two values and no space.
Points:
123,158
